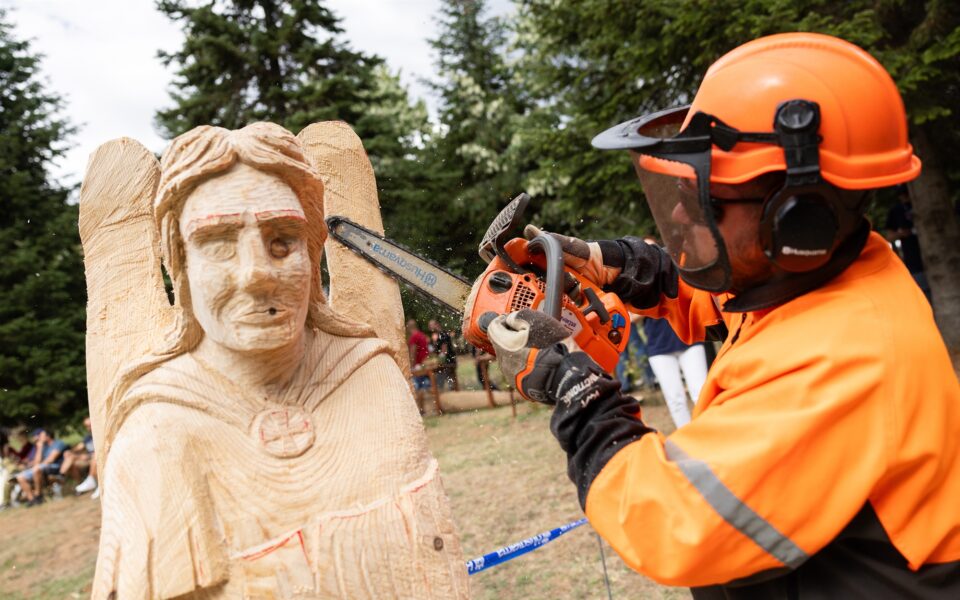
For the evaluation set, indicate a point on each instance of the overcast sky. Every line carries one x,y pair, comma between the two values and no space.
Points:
100,55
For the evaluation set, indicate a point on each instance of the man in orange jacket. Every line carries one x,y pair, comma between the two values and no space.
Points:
823,459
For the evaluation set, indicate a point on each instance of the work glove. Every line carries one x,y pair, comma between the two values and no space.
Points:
529,345
592,420
587,258
637,272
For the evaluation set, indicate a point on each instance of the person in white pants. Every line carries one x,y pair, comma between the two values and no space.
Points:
668,358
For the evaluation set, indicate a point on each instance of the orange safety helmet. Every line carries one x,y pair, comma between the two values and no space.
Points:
863,122
815,107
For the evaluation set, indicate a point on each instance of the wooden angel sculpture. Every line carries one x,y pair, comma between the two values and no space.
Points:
254,442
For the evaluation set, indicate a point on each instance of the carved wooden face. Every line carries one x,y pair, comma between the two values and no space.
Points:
247,263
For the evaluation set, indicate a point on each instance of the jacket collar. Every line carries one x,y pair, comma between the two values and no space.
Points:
774,294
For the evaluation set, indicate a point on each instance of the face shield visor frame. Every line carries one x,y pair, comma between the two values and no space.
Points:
678,190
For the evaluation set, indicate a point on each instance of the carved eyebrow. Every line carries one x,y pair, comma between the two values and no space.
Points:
214,224
286,213
286,218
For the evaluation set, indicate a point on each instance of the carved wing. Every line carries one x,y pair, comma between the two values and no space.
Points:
357,289
127,307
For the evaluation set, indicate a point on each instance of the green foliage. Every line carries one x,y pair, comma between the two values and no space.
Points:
262,60
920,46
42,293
594,63
283,61
473,164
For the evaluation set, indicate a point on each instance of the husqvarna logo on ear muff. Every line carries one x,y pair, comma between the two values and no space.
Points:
802,252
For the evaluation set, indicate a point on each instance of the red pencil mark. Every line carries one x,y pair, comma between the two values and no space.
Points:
217,220
286,213
272,547
303,547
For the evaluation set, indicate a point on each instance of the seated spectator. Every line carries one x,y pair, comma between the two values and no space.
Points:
80,458
12,460
46,461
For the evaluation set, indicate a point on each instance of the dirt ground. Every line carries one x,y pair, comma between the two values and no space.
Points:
49,551
506,479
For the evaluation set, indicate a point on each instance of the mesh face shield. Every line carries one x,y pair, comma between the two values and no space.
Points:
674,169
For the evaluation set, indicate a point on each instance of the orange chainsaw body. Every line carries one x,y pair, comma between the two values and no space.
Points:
599,324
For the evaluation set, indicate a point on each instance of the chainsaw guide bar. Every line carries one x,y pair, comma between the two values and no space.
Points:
423,275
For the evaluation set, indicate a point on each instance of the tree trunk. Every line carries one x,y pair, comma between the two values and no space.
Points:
938,231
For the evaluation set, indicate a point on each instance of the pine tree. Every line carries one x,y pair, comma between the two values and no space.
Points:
42,293
474,161
274,60
589,70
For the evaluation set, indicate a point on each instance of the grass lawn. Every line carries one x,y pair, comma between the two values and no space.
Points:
507,481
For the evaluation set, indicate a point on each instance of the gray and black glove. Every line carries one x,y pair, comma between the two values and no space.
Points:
637,272
592,420
527,346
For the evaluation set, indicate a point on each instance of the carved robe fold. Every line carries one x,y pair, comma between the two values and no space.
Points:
237,496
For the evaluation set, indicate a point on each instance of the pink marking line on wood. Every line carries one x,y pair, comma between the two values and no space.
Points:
269,215
303,547
273,545
213,221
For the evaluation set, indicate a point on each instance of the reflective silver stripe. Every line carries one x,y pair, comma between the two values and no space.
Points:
733,511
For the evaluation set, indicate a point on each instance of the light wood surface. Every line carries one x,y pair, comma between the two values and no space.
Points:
357,288
254,442
127,309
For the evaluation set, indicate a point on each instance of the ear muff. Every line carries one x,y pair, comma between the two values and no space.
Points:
800,225
799,229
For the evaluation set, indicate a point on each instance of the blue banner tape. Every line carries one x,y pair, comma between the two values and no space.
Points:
522,547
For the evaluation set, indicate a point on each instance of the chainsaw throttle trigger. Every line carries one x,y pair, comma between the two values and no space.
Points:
595,305
555,280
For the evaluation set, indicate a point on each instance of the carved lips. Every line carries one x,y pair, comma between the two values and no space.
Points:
264,317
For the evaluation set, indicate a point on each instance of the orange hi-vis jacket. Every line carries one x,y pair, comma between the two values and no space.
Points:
832,410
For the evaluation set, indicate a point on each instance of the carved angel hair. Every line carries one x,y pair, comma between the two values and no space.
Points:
207,152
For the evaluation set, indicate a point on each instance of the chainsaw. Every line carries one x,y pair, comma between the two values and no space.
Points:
520,274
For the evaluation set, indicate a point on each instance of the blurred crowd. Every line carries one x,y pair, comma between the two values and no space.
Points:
36,465
655,360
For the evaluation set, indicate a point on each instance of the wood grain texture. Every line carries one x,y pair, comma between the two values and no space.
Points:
127,308
357,288
256,443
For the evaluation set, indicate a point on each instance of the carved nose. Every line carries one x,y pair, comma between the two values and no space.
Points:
256,273
258,280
